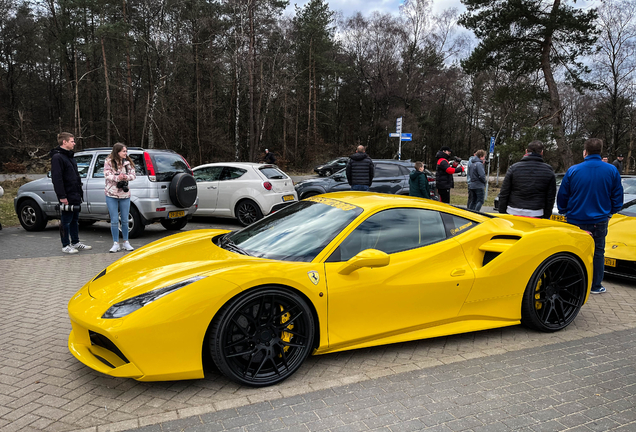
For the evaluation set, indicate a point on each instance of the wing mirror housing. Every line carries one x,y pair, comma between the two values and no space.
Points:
367,258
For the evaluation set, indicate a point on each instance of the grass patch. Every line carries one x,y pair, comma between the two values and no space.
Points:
459,195
7,212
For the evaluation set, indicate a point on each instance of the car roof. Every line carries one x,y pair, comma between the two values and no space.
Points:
237,165
94,149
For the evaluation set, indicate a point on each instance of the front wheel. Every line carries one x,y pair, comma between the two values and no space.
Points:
555,294
174,224
262,337
247,212
31,216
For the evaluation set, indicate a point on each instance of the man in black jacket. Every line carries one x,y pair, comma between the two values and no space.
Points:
270,157
68,188
444,173
618,163
529,187
360,170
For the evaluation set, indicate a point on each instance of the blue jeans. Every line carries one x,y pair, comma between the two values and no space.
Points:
69,225
360,188
476,199
118,208
599,231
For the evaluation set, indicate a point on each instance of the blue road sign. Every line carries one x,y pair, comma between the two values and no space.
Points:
492,144
407,137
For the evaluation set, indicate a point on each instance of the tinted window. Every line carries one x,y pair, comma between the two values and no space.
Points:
298,232
167,165
83,163
405,171
231,173
273,173
456,225
387,170
393,231
98,171
208,173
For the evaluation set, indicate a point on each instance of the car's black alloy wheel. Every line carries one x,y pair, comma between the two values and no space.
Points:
262,337
554,294
328,172
247,212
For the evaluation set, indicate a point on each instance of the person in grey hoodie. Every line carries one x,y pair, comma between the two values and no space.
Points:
471,159
477,175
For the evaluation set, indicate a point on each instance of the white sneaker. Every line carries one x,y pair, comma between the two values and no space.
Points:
115,248
69,250
81,246
127,246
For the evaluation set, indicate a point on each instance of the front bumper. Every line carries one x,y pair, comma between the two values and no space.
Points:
623,268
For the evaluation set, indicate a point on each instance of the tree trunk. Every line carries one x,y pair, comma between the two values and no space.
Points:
129,101
107,94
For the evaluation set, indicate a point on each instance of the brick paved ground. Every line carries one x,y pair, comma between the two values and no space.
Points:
42,387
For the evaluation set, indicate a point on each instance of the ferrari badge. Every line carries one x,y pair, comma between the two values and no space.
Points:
314,277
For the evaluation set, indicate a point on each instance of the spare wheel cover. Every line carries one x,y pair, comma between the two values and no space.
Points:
183,190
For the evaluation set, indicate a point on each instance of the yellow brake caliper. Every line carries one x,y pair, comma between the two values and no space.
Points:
537,296
286,336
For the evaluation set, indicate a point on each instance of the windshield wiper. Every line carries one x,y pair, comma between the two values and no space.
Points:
228,244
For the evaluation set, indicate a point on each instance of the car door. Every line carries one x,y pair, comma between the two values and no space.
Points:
427,280
338,182
207,179
234,180
387,178
95,196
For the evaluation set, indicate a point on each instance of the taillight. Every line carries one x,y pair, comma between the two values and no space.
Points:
267,185
151,168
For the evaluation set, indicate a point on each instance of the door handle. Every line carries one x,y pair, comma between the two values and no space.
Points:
458,272
211,187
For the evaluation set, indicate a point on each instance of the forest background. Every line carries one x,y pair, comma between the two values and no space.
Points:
223,80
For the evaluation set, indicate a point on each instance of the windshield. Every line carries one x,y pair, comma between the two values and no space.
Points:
298,232
629,185
629,209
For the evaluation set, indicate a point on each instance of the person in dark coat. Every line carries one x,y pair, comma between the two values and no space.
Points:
477,185
529,187
444,173
360,170
418,182
270,157
618,163
68,188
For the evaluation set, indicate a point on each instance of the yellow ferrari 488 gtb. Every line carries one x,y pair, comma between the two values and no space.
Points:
330,273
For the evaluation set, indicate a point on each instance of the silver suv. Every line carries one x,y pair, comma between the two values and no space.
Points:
164,191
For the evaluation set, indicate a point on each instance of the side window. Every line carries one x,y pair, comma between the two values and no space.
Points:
83,163
231,173
456,225
405,171
386,170
138,160
393,231
208,174
98,171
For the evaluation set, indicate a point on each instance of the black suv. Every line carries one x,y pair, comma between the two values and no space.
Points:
331,167
391,176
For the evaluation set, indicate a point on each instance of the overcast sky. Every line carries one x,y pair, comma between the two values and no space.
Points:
350,7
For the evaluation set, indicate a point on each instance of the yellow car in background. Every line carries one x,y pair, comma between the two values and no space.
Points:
333,272
620,243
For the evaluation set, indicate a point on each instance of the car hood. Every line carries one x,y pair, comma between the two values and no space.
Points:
620,242
35,184
164,263
312,181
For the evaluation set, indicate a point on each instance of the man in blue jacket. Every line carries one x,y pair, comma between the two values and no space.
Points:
590,193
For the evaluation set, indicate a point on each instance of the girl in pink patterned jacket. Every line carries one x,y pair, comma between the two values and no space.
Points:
119,169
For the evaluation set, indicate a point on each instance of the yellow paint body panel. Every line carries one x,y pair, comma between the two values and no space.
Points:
439,289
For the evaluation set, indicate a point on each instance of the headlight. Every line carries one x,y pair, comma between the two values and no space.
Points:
130,305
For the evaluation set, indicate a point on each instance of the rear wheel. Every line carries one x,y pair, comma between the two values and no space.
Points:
31,216
247,212
135,224
555,294
174,224
262,337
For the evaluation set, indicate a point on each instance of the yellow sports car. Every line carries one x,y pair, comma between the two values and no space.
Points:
332,272
620,243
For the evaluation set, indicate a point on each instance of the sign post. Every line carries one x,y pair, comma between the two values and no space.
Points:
492,155
398,130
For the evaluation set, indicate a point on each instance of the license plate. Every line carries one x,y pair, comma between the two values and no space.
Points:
288,197
176,214
559,218
610,262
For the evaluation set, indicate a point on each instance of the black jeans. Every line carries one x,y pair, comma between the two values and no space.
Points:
444,195
599,232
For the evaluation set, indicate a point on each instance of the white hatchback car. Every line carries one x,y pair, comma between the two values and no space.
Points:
242,190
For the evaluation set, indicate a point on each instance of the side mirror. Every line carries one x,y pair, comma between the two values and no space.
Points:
366,258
